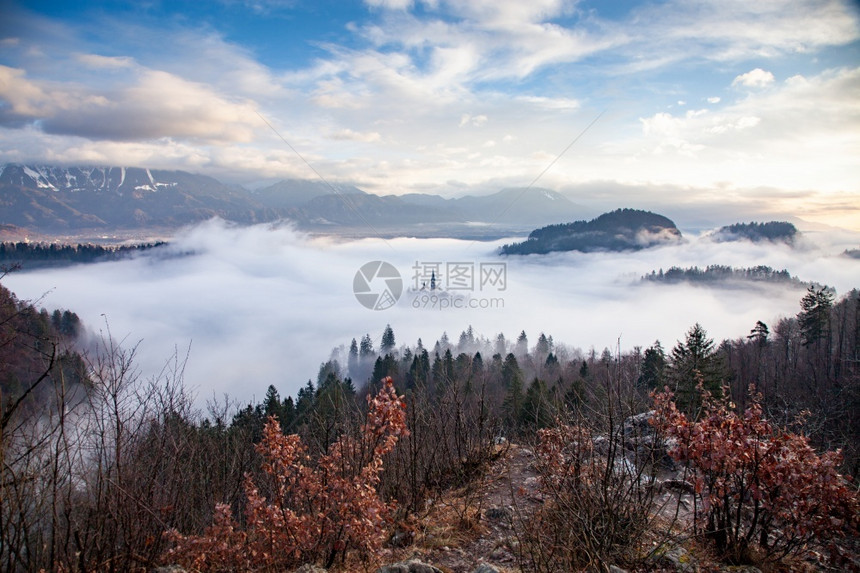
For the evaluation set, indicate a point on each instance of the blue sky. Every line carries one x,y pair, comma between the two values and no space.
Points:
732,109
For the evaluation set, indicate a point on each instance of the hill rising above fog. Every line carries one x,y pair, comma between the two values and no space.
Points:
773,231
620,230
51,199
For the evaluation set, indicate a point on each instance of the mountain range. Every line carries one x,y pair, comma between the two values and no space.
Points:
52,199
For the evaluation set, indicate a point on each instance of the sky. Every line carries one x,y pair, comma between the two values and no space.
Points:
752,108
260,305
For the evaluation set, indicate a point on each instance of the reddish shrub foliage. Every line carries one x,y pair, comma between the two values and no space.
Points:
317,512
596,502
760,487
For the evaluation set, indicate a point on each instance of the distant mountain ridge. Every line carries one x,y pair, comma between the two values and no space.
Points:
64,199
107,179
619,230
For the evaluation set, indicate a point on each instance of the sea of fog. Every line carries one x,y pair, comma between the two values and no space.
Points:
253,306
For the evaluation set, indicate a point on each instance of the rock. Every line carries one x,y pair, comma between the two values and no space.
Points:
498,513
402,538
639,425
411,566
679,485
678,558
485,568
308,568
601,445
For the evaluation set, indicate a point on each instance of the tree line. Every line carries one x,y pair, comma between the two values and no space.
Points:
28,255
724,273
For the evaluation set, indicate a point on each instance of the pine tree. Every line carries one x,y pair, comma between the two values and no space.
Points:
653,364
501,347
387,340
352,360
467,339
537,410
692,361
543,347
477,364
272,403
513,381
522,347
386,366
305,400
759,334
814,316
365,350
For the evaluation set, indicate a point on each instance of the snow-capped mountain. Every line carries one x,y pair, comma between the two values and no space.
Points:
118,180
53,199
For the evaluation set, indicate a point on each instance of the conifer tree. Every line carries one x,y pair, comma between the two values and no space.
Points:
653,364
522,344
814,316
365,350
537,410
388,343
759,334
352,360
692,361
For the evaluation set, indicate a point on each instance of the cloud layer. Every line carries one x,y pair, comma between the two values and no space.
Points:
265,305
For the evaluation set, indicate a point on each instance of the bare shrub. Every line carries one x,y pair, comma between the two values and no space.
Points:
597,477
318,511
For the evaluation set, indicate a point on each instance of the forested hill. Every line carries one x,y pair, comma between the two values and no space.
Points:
620,230
34,342
27,255
774,231
722,274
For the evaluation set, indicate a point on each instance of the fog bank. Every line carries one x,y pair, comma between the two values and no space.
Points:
265,305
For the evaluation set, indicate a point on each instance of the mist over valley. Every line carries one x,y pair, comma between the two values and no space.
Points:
267,304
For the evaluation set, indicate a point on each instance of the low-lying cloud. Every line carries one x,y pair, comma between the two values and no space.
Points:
266,305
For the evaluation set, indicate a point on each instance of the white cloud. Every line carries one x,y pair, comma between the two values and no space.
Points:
350,135
757,78
714,99
389,4
799,135
734,125
105,62
738,30
551,103
156,105
25,98
473,120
